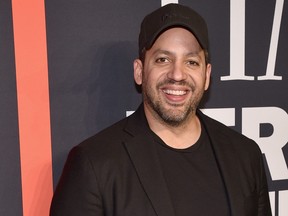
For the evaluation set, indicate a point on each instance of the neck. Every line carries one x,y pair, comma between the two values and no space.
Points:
181,136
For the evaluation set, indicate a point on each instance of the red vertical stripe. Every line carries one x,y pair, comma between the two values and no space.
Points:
33,105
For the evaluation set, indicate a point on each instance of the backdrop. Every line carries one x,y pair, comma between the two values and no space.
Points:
66,73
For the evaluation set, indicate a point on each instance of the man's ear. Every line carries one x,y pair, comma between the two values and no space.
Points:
138,69
208,76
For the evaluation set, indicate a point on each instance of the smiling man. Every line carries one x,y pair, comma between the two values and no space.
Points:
167,159
174,76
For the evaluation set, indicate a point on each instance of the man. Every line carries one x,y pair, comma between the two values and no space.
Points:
167,159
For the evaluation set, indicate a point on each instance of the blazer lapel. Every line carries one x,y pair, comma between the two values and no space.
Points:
143,154
225,155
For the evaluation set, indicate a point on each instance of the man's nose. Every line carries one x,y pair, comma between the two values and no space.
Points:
177,72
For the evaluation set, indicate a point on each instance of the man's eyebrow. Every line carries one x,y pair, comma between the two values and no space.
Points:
161,51
166,52
194,53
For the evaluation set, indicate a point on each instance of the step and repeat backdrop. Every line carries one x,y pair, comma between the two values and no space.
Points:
66,72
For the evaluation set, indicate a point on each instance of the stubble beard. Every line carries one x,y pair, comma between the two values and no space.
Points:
172,116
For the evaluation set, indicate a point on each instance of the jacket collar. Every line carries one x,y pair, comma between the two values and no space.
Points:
146,161
225,154
143,154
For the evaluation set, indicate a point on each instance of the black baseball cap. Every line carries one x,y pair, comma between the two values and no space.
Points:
169,16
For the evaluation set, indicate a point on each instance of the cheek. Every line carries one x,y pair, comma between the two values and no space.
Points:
149,78
197,82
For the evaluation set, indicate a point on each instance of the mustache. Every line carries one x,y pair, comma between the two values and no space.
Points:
179,83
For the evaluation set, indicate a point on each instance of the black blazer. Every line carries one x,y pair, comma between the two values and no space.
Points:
117,173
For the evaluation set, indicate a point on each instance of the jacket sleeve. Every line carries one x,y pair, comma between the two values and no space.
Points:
264,208
77,192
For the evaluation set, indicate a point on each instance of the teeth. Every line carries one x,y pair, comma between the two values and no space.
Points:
174,92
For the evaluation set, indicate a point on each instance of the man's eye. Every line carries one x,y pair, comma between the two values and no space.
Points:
161,60
193,63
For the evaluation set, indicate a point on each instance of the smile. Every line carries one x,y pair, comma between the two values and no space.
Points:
174,92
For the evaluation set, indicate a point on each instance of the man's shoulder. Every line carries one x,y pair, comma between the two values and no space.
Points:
215,126
107,136
111,139
106,145
228,135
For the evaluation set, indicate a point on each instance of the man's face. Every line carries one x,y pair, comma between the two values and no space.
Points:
174,77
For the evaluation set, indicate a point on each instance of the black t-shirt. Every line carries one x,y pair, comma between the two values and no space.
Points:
193,178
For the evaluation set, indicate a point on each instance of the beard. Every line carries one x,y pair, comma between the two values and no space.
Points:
176,114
